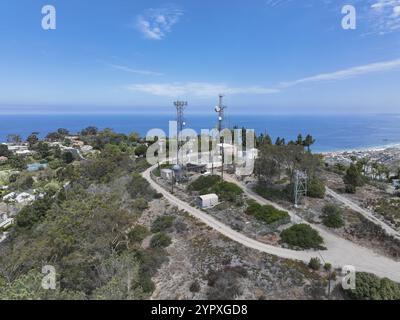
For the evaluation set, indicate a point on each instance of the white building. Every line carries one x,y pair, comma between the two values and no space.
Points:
167,174
207,201
7,222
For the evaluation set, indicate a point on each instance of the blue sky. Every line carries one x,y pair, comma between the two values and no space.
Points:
266,56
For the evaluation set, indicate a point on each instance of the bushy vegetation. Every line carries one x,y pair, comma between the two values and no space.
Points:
162,223
314,264
212,184
227,191
353,179
204,183
332,216
160,240
316,188
85,226
273,193
302,236
225,284
267,214
370,287
138,233
388,208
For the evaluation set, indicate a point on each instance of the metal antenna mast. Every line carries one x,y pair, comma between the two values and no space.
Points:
300,186
220,108
180,107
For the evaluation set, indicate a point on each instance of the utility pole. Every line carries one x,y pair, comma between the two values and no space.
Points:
180,107
220,108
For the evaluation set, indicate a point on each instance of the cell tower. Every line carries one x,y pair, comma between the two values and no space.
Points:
300,186
220,109
180,107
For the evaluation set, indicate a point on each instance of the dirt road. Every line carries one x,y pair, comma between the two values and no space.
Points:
339,253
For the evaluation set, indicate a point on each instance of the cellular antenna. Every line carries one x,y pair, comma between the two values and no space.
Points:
220,109
180,107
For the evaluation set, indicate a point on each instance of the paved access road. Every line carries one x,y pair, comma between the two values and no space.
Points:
340,252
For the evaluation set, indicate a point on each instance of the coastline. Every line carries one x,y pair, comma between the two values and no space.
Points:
362,149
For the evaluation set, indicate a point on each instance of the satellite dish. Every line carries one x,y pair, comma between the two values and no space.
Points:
217,109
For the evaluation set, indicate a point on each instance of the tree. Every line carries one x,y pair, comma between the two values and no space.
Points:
42,149
308,142
89,131
68,157
332,216
53,136
32,139
14,139
300,140
4,152
316,188
141,150
353,179
63,132
280,142
134,137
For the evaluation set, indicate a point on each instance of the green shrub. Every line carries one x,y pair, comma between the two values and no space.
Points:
160,240
138,233
140,204
332,216
204,183
370,287
212,184
314,264
227,191
267,214
327,266
274,193
303,236
162,223
316,189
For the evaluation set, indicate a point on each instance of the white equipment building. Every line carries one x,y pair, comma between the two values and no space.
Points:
207,201
167,174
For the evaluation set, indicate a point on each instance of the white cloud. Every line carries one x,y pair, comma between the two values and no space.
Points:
385,16
347,73
199,89
204,89
141,72
156,23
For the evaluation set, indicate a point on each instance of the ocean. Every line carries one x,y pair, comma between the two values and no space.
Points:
332,132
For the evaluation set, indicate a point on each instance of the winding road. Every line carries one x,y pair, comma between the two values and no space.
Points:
340,252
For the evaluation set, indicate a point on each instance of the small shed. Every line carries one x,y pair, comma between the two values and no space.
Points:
207,201
167,174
